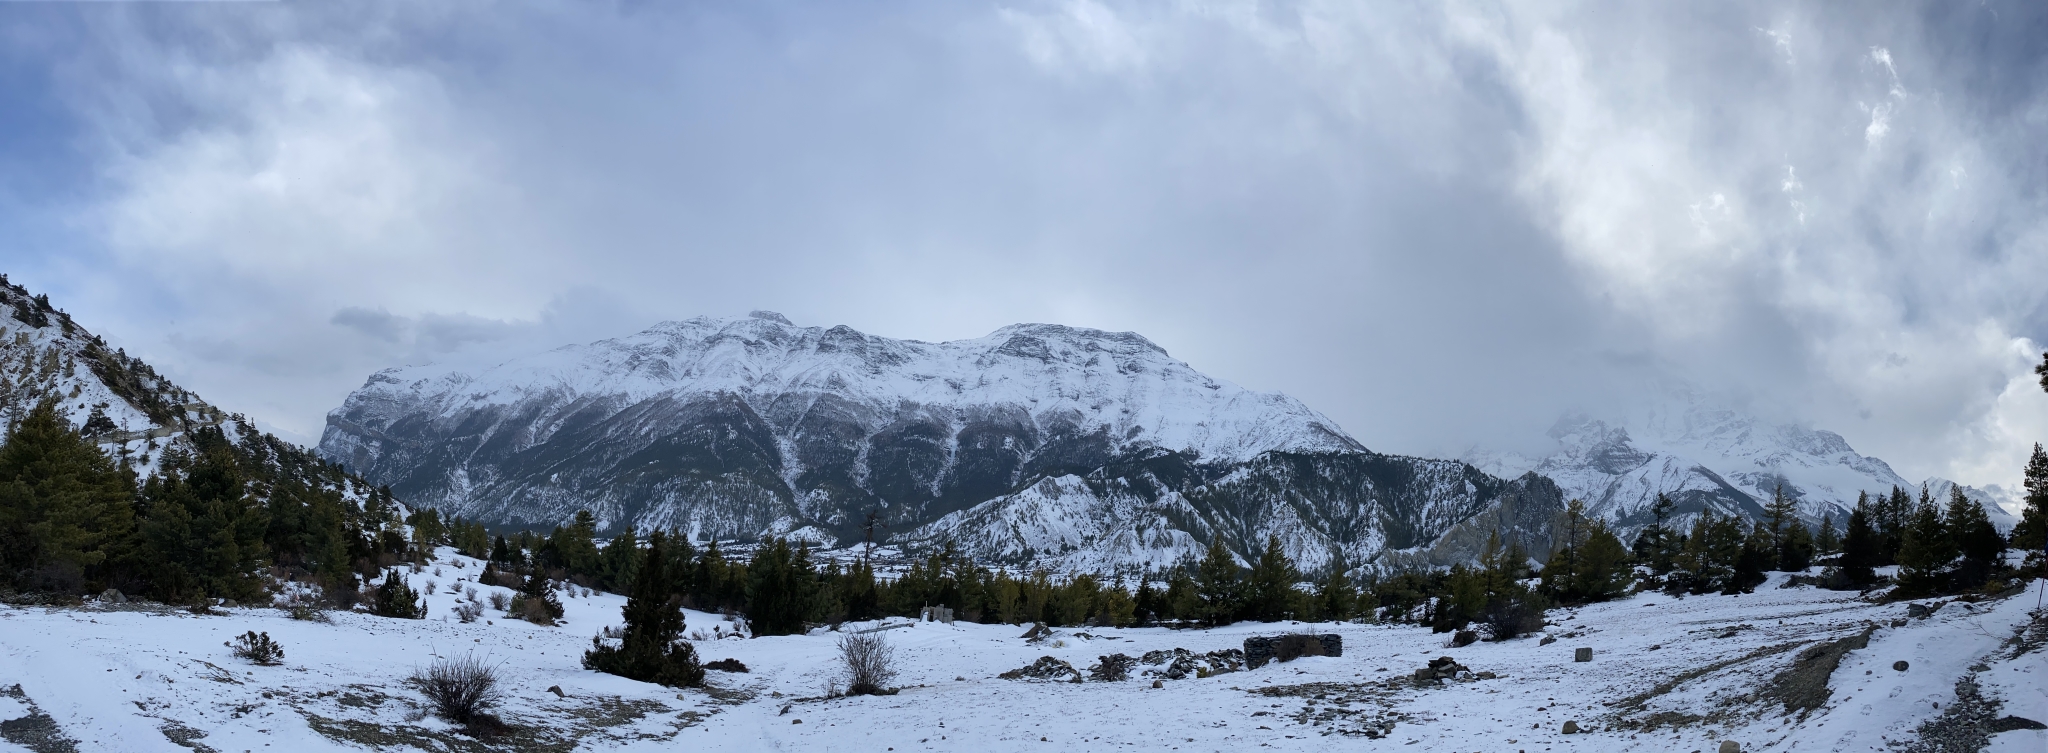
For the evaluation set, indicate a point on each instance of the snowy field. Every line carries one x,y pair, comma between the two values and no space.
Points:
149,678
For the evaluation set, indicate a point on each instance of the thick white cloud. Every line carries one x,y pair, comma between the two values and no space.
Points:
1440,224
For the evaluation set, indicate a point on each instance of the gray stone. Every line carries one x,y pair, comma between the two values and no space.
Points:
1547,640
1583,654
1900,665
1730,746
1464,638
2013,723
1571,728
1158,684
1259,650
113,596
557,690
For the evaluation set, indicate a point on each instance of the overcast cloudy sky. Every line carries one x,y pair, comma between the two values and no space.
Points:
1440,223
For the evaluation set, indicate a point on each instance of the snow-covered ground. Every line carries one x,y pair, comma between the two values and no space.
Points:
137,678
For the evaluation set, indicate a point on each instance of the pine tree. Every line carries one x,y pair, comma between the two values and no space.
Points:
1604,571
65,513
1795,552
1974,537
1925,550
1829,539
1336,599
1269,590
1216,584
652,648
202,530
1894,514
1149,605
1754,558
778,590
1653,547
1779,515
1859,546
397,599
621,556
2031,533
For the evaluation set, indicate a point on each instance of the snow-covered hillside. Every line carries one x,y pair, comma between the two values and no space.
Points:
1666,674
739,428
1707,455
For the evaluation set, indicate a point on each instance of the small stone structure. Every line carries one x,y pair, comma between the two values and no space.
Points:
1583,654
1258,650
936,614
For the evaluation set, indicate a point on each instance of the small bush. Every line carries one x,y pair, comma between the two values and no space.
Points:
500,601
258,648
461,690
468,611
1513,615
870,663
726,665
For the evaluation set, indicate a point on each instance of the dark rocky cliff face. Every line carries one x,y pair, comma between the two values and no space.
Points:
751,427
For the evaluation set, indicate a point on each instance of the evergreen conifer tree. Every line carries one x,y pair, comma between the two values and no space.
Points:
652,648
2031,533
778,590
1828,540
1217,586
1859,546
65,512
202,531
1780,515
1653,546
1269,591
1795,550
1975,539
1336,599
1925,550
395,598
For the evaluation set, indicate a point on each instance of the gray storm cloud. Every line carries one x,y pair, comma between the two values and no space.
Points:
1442,225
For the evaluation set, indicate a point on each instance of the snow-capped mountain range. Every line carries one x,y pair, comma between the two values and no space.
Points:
1709,456
1037,442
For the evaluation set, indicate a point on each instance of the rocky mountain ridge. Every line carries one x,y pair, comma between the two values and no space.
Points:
1038,442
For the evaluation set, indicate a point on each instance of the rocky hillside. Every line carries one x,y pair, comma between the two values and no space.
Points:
1035,441
134,413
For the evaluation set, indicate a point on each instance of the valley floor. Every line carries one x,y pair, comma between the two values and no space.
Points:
1667,675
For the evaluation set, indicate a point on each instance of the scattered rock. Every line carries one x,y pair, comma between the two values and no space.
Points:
1156,684
1730,746
1258,650
727,665
1900,665
2012,723
113,596
1547,640
1464,638
1582,654
796,721
1113,668
1571,728
1037,632
1924,611
1046,668
557,690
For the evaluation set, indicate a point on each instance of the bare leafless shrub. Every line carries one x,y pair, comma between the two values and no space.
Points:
469,593
461,689
469,611
258,648
870,663
500,601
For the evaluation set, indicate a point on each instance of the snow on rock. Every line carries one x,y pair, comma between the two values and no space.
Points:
1067,446
1707,456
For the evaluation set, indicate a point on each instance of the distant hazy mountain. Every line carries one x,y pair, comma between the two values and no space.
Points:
1708,456
1037,442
